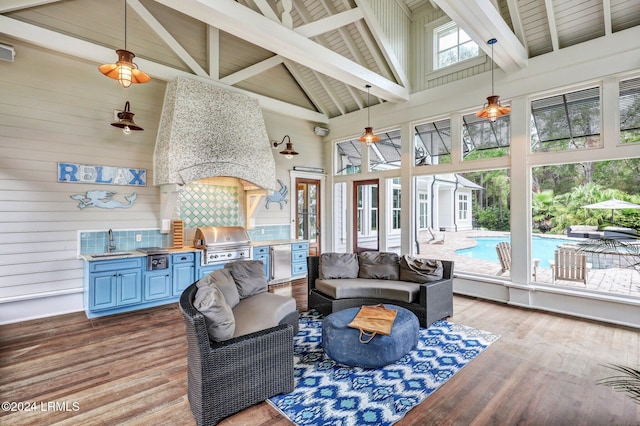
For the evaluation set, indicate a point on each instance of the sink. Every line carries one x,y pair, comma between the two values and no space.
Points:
112,254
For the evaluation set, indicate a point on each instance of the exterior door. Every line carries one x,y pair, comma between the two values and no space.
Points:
365,217
308,213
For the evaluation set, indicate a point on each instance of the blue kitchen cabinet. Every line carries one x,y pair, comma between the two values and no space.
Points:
204,270
184,271
111,284
262,253
157,284
299,253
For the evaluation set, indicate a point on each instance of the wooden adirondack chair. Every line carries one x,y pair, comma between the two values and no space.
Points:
504,255
569,264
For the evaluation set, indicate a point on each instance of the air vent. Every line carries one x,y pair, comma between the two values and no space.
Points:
7,53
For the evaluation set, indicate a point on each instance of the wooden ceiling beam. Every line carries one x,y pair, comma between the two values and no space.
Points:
13,5
88,51
250,26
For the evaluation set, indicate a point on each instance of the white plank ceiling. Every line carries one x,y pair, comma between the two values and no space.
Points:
306,58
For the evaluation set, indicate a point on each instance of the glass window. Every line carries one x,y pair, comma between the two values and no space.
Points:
565,122
385,154
349,157
433,143
452,45
482,138
423,209
630,111
395,204
607,237
463,206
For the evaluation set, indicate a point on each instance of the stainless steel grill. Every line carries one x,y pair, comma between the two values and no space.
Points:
221,244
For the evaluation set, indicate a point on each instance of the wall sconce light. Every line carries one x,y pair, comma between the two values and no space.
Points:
368,137
124,70
126,120
288,152
492,109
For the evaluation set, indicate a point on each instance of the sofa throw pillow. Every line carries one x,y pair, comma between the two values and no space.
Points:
338,265
249,277
223,279
419,270
217,313
379,265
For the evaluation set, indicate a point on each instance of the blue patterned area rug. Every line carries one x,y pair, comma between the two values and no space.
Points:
330,394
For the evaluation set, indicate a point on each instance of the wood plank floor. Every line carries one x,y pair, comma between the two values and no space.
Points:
130,369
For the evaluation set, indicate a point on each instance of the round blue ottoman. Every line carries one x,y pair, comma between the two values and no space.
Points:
342,343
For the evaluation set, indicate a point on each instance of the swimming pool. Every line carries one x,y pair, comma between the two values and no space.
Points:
542,248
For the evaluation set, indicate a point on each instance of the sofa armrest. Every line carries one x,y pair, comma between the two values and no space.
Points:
313,271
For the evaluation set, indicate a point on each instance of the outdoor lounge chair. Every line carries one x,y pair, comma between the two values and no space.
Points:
436,237
504,255
569,264
226,377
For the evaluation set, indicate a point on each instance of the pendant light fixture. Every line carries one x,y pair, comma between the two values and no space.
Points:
492,109
368,137
124,70
288,152
126,120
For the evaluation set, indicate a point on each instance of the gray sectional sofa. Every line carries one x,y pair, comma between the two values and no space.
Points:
345,280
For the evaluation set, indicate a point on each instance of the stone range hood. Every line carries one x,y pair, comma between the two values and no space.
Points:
207,131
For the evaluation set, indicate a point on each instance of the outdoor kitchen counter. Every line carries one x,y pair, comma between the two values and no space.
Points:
276,242
93,257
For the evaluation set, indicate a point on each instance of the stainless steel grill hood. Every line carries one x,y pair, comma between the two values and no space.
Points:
208,131
220,236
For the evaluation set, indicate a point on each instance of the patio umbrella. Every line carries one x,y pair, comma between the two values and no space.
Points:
612,204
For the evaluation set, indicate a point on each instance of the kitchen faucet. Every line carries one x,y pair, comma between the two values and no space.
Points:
112,246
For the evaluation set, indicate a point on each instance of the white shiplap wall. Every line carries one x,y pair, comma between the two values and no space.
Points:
57,109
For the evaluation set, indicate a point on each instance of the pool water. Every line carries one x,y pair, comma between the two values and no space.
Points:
542,248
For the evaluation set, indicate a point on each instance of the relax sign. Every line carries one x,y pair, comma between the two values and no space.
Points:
106,175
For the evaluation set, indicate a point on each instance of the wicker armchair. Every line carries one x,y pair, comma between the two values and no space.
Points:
226,377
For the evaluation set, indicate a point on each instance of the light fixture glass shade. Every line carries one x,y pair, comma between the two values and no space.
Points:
124,70
368,136
492,109
288,152
126,122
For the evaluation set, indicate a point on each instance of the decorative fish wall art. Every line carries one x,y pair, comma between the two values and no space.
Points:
103,200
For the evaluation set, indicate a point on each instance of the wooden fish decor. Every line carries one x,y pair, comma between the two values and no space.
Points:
103,200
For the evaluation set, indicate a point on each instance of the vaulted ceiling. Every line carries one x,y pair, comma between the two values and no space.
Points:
305,58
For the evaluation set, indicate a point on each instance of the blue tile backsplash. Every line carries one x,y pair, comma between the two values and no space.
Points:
97,241
270,233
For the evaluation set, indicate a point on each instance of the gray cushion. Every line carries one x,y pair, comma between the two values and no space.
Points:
224,281
249,277
366,287
338,265
379,265
218,315
420,270
262,311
